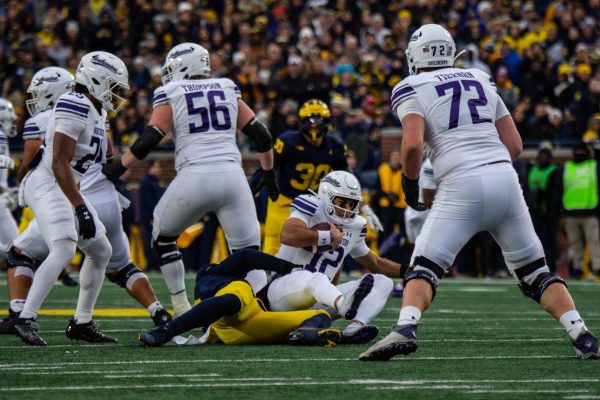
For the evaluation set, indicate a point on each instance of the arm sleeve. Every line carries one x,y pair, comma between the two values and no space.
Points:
409,106
501,110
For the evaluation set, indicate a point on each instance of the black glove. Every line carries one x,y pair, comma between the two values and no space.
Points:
411,193
87,228
268,179
113,171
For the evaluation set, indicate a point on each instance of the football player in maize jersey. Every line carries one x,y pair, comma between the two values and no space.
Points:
204,115
471,140
74,140
29,248
321,231
8,226
302,159
228,308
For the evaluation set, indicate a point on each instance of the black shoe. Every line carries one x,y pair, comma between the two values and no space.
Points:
364,335
162,317
87,332
67,280
7,326
586,345
27,330
328,337
156,337
401,340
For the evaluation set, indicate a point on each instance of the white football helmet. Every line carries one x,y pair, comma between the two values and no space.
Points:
8,118
105,77
430,46
340,184
184,61
46,86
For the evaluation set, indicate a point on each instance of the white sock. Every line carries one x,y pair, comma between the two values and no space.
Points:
352,328
409,315
17,305
154,307
91,277
572,322
180,303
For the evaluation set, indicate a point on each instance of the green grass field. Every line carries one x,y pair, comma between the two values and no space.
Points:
481,340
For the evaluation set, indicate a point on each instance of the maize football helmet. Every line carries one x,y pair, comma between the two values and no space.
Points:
314,119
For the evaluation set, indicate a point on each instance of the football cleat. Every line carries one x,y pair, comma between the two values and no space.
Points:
328,337
27,330
162,317
155,337
586,345
401,340
88,332
352,300
361,336
7,326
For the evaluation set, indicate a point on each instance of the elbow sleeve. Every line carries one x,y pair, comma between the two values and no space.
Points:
260,134
147,142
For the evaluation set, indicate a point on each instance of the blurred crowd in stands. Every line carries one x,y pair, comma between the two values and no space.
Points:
543,56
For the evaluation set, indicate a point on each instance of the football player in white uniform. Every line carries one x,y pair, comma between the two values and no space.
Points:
8,226
318,235
29,248
204,116
73,141
471,139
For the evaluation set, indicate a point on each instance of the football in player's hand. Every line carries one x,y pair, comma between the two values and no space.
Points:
323,226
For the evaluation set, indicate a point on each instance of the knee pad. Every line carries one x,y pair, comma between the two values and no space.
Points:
14,260
428,271
125,276
167,249
316,281
542,278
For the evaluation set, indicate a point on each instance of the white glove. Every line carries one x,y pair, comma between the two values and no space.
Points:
9,199
372,219
6,162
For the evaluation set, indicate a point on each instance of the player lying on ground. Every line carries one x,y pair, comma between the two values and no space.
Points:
233,315
318,235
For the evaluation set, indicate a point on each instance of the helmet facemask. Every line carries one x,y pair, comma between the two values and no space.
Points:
8,118
113,99
314,127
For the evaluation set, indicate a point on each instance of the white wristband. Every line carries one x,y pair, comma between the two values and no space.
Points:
324,238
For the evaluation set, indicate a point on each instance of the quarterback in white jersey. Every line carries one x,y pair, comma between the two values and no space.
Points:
73,141
318,235
8,226
204,116
471,139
